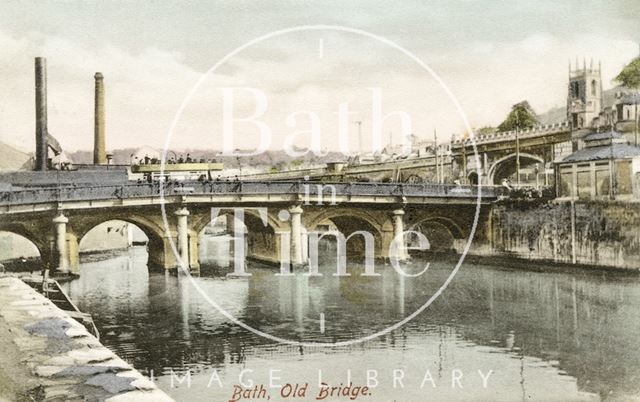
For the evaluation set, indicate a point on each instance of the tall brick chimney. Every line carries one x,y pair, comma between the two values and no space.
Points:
41,114
99,149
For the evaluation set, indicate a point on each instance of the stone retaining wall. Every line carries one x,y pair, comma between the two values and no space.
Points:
604,234
46,355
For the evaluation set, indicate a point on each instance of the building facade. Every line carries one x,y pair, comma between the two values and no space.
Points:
606,168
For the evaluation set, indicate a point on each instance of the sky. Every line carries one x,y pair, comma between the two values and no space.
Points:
484,55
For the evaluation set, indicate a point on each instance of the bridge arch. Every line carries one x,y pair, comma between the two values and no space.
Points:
150,227
158,246
252,219
441,232
506,166
349,220
23,244
261,241
114,228
376,222
40,242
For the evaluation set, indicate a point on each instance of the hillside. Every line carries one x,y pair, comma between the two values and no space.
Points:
12,158
269,158
559,114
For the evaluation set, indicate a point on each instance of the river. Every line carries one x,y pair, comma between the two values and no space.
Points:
494,333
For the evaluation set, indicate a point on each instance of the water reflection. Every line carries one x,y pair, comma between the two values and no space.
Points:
546,336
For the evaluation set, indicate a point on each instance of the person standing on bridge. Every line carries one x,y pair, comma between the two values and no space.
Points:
506,184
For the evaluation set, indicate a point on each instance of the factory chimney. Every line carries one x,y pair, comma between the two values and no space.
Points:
99,151
41,114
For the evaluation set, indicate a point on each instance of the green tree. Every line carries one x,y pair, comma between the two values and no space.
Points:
485,130
630,75
521,117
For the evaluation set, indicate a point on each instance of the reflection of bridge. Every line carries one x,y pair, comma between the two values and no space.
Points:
383,209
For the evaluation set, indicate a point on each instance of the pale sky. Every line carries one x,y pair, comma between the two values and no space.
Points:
491,54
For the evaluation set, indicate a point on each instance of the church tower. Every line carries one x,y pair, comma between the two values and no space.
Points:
584,101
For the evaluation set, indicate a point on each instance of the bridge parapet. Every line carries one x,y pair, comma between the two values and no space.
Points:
499,136
301,189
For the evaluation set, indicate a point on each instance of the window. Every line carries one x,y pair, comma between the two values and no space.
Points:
623,176
584,184
602,181
594,90
575,89
566,181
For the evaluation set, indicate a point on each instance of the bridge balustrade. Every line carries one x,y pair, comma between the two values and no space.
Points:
149,190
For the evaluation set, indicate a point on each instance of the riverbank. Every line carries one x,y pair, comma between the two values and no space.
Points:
515,263
49,356
586,234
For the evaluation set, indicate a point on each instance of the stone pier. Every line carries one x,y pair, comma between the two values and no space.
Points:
60,223
398,234
296,236
183,237
67,256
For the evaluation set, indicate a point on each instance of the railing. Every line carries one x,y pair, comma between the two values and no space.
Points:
153,190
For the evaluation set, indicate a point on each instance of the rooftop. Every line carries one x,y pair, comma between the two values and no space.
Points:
602,136
630,98
613,151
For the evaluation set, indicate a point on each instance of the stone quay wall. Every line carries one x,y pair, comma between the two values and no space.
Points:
591,233
47,355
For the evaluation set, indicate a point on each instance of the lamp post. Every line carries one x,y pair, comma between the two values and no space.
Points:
238,162
435,149
359,124
464,160
611,165
517,148
636,99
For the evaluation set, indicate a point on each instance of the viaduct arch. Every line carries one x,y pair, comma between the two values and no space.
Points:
506,166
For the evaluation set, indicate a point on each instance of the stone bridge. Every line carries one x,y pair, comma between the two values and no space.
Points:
55,219
496,160
497,153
